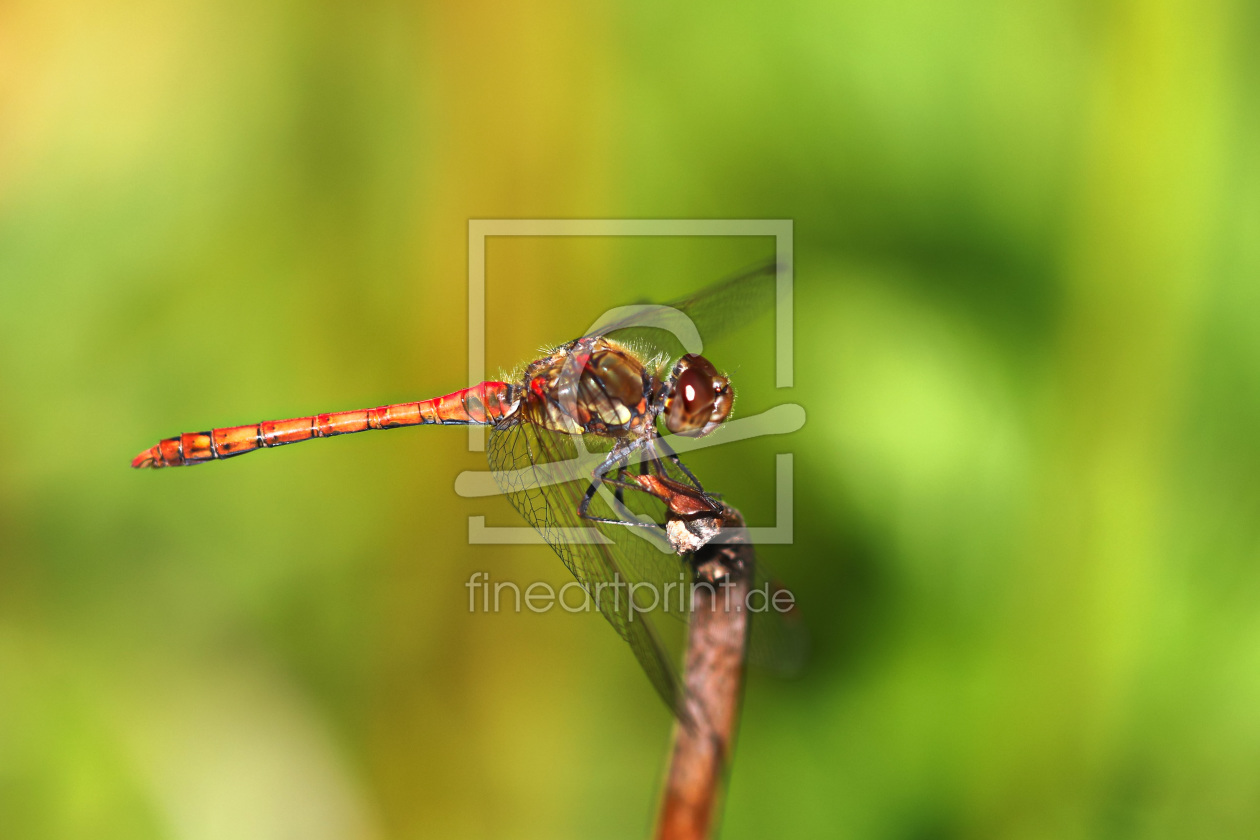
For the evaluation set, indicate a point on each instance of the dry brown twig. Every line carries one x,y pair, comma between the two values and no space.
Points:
717,640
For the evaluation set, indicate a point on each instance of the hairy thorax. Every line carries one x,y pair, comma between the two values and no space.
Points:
589,386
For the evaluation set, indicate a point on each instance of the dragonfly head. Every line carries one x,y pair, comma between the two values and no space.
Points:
696,398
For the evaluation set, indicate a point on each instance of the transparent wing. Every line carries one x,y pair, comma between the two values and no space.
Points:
667,330
545,475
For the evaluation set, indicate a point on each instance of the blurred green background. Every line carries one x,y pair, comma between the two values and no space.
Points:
1028,346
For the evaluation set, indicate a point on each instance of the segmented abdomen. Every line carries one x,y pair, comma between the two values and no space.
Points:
483,404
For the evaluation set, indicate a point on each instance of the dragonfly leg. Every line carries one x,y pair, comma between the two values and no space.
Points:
617,461
620,484
664,447
645,468
584,505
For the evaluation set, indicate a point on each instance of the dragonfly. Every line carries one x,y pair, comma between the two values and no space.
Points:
579,443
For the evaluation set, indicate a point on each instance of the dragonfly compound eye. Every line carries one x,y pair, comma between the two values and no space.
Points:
699,398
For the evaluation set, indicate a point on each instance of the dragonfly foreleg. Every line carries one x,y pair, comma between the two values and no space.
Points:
615,461
665,449
620,484
645,468
585,504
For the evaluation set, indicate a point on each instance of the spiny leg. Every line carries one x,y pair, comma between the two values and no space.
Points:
645,468
584,506
618,461
673,456
620,485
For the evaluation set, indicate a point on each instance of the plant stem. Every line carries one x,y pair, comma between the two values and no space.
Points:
714,678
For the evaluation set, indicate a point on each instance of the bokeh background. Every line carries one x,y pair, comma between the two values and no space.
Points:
1028,346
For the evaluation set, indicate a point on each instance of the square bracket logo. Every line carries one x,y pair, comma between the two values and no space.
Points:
780,419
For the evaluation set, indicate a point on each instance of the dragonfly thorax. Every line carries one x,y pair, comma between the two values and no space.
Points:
590,386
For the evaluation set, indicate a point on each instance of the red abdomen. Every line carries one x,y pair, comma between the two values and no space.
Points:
483,404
